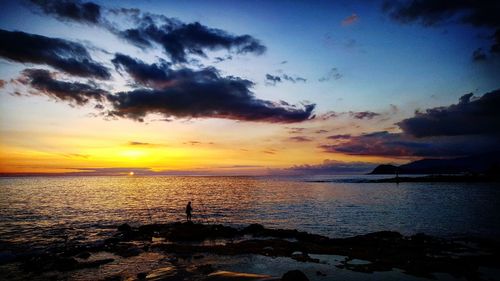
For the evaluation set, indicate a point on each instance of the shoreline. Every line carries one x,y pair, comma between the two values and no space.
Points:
199,252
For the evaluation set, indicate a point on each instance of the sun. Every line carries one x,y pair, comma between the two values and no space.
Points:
131,173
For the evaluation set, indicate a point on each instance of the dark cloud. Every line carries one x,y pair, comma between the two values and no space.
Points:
296,130
495,48
401,145
221,98
471,116
321,131
329,167
161,89
480,13
188,93
479,55
138,143
61,54
221,59
350,20
155,75
431,12
333,74
329,115
393,109
180,40
364,114
300,139
271,79
472,126
339,137
86,12
73,92
77,155
294,79
198,143
177,39
354,114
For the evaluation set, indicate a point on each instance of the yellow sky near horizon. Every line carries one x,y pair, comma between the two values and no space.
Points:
55,145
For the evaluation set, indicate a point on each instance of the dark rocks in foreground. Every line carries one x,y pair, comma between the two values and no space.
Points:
294,275
418,255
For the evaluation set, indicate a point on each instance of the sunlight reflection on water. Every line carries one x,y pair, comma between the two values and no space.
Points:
44,210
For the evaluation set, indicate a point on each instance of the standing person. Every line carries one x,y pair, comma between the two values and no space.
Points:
189,209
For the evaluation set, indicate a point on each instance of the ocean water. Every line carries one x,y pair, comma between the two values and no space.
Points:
41,211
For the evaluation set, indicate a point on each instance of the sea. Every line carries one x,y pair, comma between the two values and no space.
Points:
39,212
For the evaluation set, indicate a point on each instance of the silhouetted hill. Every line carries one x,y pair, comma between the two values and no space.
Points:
483,163
384,169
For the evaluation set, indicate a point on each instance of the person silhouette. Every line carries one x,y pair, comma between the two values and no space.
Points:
189,209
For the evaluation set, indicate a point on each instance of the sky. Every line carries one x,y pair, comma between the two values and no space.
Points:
245,87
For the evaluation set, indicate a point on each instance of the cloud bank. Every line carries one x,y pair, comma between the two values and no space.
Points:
177,39
169,88
61,54
470,116
472,126
480,14
76,93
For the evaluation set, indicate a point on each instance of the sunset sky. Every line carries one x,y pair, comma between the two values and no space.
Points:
245,87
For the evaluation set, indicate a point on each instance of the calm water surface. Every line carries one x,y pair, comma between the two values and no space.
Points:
37,211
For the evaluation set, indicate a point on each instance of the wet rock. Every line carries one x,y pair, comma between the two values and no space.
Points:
205,268
303,257
294,275
127,251
49,262
164,273
6,257
268,250
83,255
189,231
319,273
237,276
113,278
253,228
141,275
66,264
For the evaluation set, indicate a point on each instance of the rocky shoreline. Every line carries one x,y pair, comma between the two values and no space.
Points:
193,251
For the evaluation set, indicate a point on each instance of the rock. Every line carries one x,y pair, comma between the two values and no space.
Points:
113,278
319,273
6,257
253,228
125,227
205,268
83,255
127,251
294,275
268,250
66,264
